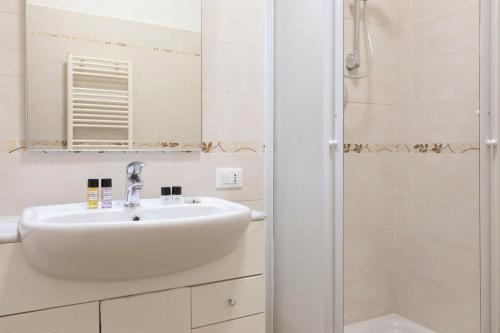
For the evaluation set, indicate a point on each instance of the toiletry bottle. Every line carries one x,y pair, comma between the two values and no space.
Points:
106,193
177,195
166,197
93,193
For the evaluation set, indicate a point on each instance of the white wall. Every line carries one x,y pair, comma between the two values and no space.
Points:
182,14
233,89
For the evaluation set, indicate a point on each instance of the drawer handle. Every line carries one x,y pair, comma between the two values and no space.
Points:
232,302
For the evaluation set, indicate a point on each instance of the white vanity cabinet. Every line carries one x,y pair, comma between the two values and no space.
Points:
159,312
234,306
227,295
83,318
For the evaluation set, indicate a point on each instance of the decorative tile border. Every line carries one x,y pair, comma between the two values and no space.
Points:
12,146
417,148
111,43
232,147
16,146
214,147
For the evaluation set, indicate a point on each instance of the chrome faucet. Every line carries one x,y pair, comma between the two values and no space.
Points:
133,195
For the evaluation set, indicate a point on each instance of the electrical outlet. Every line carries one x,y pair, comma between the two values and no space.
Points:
229,178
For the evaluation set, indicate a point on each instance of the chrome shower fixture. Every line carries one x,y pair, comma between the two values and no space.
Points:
353,57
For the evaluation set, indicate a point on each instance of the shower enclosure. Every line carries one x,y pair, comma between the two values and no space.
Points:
411,166
385,166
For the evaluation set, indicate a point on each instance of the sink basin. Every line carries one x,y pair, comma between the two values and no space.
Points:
70,241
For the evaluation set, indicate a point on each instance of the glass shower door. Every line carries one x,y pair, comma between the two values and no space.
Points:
411,163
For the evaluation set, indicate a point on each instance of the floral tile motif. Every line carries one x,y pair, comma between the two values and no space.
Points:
231,147
417,148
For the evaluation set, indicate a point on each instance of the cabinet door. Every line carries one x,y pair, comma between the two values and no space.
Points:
161,312
253,324
82,318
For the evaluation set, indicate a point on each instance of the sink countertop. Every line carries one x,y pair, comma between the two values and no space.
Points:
8,230
9,227
258,215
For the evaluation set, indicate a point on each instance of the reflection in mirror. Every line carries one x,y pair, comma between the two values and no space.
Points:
114,75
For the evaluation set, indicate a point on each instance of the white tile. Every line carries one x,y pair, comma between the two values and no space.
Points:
403,85
426,8
368,123
28,180
232,68
12,6
403,12
368,173
233,117
236,21
402,125
448,33
258,205
368,274
381,12
448,122
404,45
12,106
437,308
368,213
444,78
450,175
11,44
428,231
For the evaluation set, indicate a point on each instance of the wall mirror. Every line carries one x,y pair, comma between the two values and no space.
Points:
107,75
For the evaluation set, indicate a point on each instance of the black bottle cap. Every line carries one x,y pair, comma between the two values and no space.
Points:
177,190
165,191
106,182
93,183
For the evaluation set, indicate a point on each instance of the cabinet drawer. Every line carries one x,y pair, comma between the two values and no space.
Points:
218,302
253,324
160,312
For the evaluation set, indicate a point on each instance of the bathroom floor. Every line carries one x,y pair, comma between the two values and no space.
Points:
392,323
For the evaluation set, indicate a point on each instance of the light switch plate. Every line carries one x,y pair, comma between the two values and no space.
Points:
229,178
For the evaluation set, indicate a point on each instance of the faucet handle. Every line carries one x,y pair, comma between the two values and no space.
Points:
135,168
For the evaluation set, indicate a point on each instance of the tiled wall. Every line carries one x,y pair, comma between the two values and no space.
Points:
233,88
437,195
369,184
412,167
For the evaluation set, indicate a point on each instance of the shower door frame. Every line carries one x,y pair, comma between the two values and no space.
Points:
489,166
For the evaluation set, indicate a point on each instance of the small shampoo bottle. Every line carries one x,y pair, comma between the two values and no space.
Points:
106,193
93,194
166,196
177,195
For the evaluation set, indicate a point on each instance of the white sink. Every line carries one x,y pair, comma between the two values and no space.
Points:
70,241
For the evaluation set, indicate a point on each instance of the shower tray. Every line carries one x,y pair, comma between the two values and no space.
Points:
392,323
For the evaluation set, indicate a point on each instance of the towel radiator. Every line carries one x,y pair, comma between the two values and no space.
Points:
99,103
